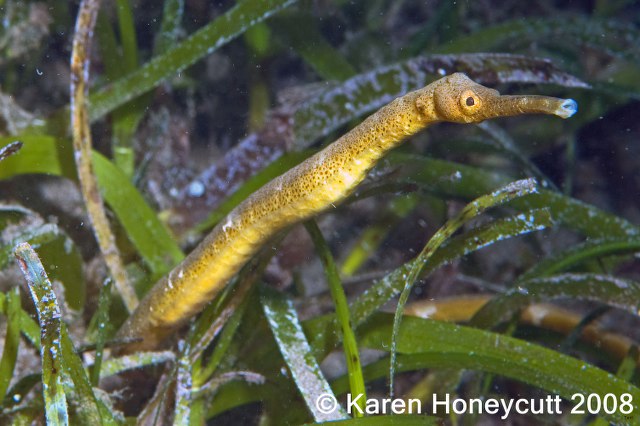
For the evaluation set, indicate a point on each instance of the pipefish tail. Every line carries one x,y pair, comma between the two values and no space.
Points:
321,181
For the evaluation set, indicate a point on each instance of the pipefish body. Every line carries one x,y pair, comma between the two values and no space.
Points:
316,184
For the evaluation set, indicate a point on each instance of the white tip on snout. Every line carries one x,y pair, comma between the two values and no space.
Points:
567,108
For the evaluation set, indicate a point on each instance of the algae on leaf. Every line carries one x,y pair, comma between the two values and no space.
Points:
49,318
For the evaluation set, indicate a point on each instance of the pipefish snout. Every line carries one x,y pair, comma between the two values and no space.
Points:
320,182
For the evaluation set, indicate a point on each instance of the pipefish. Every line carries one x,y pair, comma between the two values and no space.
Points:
320,182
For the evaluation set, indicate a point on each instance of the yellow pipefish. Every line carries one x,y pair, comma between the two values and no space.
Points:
321,181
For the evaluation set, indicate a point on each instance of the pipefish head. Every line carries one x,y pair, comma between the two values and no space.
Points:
458,99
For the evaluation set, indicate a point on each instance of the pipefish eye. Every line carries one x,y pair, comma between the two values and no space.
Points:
470,102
